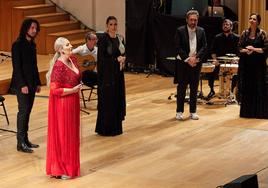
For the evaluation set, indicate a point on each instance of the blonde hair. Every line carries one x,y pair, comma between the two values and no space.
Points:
58,45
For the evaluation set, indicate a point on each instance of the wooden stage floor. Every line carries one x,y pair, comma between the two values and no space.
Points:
155,150
6,70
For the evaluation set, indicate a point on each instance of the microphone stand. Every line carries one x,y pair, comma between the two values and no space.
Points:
152,67
212,6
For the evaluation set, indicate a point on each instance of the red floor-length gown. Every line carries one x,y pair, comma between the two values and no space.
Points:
63,143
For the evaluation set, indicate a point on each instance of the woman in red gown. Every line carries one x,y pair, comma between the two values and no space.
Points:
63,159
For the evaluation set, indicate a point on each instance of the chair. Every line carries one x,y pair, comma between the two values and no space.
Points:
89,79
2,99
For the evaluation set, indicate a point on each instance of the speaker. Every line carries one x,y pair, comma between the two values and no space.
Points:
245,181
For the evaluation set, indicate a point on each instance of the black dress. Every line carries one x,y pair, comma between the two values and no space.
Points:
111,88
252,74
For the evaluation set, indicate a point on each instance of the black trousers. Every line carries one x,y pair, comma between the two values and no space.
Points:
212,77
25,104
191,78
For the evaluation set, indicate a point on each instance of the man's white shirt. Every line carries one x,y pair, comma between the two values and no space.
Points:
83,51
192,41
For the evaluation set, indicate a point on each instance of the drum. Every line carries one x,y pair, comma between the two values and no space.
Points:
207,67
225,85
226,73
230,68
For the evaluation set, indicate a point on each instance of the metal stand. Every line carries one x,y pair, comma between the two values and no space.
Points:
151,70
1,129
200,95
152,67
225,81
172,94
187,95
84,111
228,96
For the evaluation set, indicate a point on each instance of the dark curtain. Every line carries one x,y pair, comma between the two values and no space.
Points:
139,42
150,35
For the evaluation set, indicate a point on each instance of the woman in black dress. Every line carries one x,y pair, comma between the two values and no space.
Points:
253,47
111,82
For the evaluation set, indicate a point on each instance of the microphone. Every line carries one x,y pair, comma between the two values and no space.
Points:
5,55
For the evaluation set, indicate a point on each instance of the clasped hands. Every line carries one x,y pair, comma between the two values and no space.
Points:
121,60
192,61
249,50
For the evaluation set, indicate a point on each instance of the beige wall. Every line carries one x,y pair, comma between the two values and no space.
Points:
93,13
245,7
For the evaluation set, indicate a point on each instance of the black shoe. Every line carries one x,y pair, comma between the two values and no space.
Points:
31,145
211,94
24,148
200,95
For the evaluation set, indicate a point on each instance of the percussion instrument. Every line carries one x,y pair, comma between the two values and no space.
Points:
230,68
171,58
228,58
225,84
207,68
226,73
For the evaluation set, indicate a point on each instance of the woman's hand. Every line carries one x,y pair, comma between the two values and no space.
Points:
121,59
245,50
77,88
25,90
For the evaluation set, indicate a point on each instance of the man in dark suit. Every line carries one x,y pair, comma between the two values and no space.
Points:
25,80
190,44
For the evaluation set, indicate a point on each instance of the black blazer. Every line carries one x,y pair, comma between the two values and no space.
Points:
182,49
24,62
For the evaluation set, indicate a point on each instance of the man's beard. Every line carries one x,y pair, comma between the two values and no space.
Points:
227,31
31,36
192,26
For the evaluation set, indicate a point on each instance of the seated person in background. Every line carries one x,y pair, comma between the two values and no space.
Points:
216,9
89,48
89,77
223,43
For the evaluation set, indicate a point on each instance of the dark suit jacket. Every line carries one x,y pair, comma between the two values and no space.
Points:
182,49
24,62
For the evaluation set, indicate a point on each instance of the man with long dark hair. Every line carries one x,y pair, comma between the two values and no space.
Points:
25,80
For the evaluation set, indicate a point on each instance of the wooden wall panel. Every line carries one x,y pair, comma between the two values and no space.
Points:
6,20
